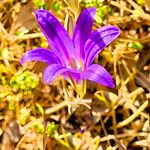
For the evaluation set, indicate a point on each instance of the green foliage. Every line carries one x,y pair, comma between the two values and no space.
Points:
102,10
10,1
56,6
11,105
51,129
25,81
24,115
3,94
39,127
3,70
40,4
136,45
140,2
2,80
91,3
40,108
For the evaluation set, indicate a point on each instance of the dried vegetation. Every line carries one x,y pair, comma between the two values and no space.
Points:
37,116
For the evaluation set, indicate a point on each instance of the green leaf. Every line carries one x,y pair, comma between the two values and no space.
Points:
40,108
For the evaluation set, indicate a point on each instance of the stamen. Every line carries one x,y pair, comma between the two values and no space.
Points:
72,63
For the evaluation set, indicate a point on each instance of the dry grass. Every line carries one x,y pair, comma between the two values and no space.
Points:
37,116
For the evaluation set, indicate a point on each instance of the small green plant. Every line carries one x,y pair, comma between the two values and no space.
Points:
40,4
52,129
25,81
102,9
40,108
135,45
56,6
140,2
102,12
39,127
24,115
3,70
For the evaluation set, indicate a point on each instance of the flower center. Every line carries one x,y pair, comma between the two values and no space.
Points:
75,64
72,63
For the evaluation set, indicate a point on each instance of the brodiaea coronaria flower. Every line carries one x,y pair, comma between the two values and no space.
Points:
73,57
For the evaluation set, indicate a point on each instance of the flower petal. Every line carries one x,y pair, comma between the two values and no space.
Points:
83,29
40,54
98,74
54,70
98,40
57,37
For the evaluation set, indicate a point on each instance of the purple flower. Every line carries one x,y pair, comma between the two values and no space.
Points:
73,57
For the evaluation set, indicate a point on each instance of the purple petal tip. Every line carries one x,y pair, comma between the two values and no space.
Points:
92,10
117,29
37,12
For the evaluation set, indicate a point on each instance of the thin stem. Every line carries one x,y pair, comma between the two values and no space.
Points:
62,105
73,83
105,132
115,129
114,124
27,36
144,40
66,97
114,120
44,134
136,6
110,137
83,89
133,116
56,108
142,13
